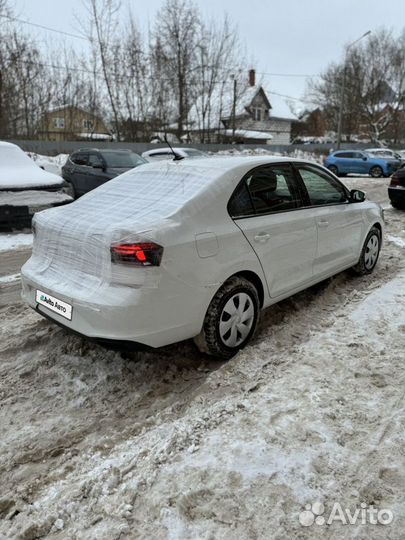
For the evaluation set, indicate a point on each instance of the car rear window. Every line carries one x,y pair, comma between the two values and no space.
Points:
122,160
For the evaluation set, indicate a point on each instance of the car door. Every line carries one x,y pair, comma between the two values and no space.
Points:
361,163
339,223
96,171
346,162
78,174
266,207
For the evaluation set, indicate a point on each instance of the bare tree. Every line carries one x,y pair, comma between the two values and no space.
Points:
375,87
102,34
176,33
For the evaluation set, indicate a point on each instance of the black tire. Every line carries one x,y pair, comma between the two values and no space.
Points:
70,189
398,205
334,170
365,266
376,172
210,340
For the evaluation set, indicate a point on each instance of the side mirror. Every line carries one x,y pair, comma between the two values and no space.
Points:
364,158
357,196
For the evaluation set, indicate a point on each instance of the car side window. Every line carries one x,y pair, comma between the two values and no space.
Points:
95,159
80,159
273,189
344,155
322,189
240,204
358,155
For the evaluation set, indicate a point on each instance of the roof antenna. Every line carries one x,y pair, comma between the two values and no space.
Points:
177,157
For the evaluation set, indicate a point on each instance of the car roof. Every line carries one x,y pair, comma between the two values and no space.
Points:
166,150
101,150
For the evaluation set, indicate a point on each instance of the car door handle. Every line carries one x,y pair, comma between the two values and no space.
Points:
262,237
323,224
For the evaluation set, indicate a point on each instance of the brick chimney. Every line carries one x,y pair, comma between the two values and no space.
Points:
252,77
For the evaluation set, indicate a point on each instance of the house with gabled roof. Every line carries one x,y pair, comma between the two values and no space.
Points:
70,122
250,117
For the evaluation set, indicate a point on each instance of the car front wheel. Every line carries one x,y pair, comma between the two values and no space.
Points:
333,169
231,319
70,189
376,172
369,253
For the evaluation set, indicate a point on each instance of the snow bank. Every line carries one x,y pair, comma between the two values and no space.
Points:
9,242
52,164
9,279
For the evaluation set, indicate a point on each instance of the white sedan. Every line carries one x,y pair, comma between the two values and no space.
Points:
196,248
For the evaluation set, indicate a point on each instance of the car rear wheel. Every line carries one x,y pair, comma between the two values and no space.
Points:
369,253
333,169
398,205
376,172
231,319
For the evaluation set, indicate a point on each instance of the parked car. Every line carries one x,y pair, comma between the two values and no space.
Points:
25,188
196,248
396,189
89,168
166,153
386,153
345,162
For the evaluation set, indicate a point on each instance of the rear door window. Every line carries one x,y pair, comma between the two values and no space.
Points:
95,160
266,190
346,155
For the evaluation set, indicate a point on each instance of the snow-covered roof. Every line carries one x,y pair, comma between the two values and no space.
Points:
221,104
18,171
248,134
281,107
95,136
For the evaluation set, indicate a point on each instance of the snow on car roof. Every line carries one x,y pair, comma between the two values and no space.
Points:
157,190
18,171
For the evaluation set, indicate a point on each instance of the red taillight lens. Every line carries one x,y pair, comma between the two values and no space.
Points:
139,254
395,181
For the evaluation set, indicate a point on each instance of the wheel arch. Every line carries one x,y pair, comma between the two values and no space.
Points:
254,279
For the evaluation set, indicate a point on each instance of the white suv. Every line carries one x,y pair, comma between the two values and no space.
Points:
196,248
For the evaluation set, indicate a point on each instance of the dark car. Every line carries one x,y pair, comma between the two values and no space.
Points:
396,189
88,168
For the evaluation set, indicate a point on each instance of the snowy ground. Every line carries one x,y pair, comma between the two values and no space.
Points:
95,444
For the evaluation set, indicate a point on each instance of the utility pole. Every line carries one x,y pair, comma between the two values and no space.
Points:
342,92
234,108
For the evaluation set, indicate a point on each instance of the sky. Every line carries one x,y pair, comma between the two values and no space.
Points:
294,37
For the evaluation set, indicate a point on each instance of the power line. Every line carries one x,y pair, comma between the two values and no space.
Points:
84,70
302,75
15,19
293,98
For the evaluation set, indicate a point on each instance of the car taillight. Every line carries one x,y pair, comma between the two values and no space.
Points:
137,254
395,181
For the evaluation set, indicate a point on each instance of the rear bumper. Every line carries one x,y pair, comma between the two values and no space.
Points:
17,208
142,316
396,194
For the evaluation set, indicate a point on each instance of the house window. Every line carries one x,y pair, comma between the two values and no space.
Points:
59,122
257,114
88,124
